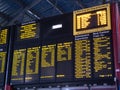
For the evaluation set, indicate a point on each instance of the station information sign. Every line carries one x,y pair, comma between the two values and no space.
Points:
3,52
92,19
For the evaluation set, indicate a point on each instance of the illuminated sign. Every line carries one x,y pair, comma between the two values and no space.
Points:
18,65
93,56
2,61
92,19
32,64
48,62
64,68
102,54
28,31
3,36
83,57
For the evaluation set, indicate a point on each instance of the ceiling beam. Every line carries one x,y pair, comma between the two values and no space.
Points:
33,14
55,6
22,10
80,3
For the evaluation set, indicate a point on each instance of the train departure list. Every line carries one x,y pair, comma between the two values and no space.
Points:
3,36
102,54
2,61
32,63
64,51
18,65
93,43
64,61
48,61
82,57
93,55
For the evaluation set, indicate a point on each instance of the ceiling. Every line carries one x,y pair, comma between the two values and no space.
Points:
21,11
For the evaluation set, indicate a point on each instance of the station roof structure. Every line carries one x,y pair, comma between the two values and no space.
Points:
21,11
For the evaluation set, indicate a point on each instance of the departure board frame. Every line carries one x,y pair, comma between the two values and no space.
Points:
50,52
95,44
88,20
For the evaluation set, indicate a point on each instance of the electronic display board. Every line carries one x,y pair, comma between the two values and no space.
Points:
83,57
64,63
32,64
58,30
69,48
18,66
4,34
2,66
102,53
25,64
94,56
93,44
47,69
28,31
92,19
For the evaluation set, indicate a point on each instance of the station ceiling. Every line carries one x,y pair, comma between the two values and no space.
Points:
21,11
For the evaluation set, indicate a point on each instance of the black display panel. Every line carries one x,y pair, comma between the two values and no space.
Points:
47,69
26,52
64,63
58,30
83,57
18,65
54,55
57,27
103,54
4,35
32,64
28,31
94,57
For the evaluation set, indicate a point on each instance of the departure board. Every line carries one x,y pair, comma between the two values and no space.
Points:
82,57
94,56
18,66
2,61
4,32
32,65
3,36
92,19
48,63
103,56
28,31
2,65
64,61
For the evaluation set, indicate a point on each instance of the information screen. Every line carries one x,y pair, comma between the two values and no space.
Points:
26,54
28,31
94,59
3,36
2,66
3,53
94,56
32,65
92,19
48,63
83,57
18,66
64,61
102,54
